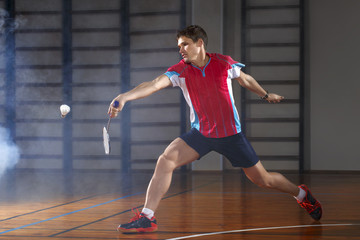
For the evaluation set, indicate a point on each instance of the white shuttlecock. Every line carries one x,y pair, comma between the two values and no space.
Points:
64,109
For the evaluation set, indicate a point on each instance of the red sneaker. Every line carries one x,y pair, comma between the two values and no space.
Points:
310,204
138,224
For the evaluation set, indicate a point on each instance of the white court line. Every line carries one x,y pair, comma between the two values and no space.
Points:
260,229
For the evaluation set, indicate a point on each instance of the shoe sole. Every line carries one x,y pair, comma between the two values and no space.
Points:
137,230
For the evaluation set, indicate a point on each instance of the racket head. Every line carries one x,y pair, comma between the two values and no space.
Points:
106,139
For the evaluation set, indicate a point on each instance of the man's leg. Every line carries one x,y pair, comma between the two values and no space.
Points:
177,154
258,175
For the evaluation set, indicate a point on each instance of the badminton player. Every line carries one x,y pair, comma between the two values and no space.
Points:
205,80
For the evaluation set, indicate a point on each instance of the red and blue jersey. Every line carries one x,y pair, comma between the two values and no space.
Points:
208,92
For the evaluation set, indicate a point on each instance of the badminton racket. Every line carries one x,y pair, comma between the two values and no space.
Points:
106,136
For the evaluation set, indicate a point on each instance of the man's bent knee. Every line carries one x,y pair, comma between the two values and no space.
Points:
263,182
165,163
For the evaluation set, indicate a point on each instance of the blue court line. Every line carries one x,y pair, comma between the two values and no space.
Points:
128,210
40,210
65,214
99,220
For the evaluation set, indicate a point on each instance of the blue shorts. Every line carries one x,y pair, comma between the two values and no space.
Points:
236,148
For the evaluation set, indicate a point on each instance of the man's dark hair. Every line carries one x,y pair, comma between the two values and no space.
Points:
194,32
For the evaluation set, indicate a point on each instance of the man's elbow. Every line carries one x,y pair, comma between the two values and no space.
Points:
243,81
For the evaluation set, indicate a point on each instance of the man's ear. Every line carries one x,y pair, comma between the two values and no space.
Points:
200,42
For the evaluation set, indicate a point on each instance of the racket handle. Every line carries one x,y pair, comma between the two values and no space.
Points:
116,104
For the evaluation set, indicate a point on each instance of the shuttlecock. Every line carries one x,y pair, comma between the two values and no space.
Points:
64,109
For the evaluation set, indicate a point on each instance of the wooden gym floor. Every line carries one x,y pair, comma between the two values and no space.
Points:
90,205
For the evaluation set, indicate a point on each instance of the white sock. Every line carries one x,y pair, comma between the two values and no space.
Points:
148,213
301,195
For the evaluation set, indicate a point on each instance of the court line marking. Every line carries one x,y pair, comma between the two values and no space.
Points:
128,210
43,209
90,207
275,193
65,214
260,229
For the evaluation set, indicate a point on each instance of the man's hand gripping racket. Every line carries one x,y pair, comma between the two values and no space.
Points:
106,136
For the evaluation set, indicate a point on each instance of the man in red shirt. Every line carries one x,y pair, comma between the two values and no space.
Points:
208,91
205,79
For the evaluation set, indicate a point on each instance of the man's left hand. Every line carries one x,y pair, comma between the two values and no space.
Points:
274,98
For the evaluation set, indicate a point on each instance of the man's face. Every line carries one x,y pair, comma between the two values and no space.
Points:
188,49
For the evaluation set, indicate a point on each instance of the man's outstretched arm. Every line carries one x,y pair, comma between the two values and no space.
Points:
141,91
248,82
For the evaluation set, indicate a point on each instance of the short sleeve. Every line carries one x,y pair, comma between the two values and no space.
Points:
235,70
174,72
173,76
